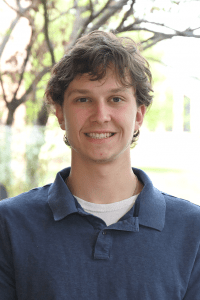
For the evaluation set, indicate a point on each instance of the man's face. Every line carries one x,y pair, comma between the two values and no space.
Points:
99,117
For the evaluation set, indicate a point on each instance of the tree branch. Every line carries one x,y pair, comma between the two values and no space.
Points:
33,84
4,94
7,35
158,36
126,15
132,27
155,40
103,9
83,26
78,23
195,28
61,14
18,4
28,51
12,105
187,32
91,7
89,19
21,11
11,7
156,60
158,24
111,10
49,44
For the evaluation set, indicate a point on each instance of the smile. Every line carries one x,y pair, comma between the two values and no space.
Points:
100,135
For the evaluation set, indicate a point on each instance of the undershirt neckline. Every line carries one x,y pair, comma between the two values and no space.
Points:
109,213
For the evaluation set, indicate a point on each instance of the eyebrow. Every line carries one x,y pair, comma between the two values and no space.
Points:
78,91
84,91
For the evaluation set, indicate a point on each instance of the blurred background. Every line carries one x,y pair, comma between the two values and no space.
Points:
35,34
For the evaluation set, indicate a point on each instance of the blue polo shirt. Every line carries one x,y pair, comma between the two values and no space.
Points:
50,249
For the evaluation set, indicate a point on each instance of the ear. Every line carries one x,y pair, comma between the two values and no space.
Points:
140,116
60,115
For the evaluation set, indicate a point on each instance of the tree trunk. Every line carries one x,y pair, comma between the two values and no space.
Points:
11,111
10,117
43,116
12,106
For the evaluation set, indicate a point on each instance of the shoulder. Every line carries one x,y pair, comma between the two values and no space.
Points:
181,204
24,202
182,211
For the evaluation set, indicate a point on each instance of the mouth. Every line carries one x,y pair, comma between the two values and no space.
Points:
100,135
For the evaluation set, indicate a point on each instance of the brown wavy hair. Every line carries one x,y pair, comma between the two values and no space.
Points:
93,54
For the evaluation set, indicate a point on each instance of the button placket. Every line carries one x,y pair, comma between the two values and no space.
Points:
103,245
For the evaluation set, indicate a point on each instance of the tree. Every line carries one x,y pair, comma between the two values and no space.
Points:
56,25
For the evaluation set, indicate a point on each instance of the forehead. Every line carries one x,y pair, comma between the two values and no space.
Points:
111,80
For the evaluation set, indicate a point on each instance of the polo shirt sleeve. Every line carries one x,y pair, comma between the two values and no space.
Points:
7,279
193,290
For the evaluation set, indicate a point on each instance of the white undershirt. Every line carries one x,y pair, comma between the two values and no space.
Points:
109,213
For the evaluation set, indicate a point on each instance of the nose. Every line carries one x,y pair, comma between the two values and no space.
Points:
100,113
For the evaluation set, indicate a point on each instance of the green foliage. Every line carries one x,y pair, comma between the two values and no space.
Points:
40,37
32,109
86,14
28,79
8,32
35,101
59,32
39,17
59,52
161,170
97,5
44,80
63,5
83,2
47,59
152,117
160,111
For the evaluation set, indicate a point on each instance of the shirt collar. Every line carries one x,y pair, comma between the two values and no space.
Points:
60,199
152,202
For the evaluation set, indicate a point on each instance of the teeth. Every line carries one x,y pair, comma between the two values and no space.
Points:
99,136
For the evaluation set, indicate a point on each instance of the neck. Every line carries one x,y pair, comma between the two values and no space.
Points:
103,182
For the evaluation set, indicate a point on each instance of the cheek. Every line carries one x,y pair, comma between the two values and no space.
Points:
126,118
76,118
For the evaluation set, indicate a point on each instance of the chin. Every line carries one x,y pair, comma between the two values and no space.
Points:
104,160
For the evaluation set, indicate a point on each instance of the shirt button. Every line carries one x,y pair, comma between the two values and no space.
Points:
103,232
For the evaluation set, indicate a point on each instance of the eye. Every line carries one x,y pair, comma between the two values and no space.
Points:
82,100
116,99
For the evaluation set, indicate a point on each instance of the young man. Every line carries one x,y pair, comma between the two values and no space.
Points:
101,230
